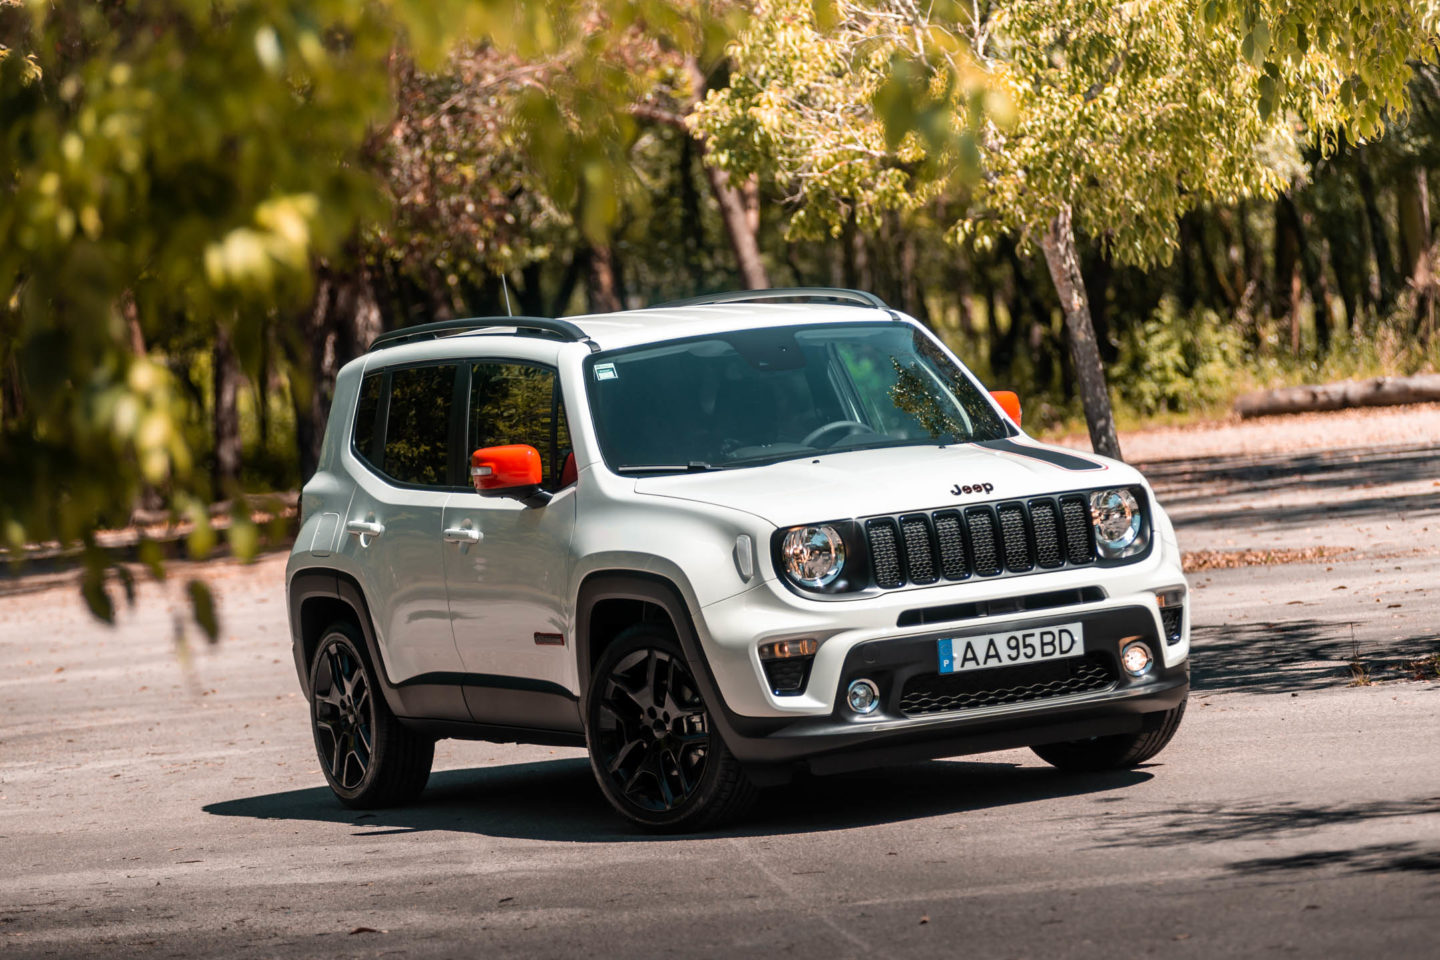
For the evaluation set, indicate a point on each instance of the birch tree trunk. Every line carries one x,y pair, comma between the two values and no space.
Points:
1058,243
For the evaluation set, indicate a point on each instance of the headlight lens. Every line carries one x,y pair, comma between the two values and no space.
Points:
1118,522
814,556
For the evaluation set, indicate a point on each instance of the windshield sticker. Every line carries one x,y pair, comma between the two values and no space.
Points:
606,371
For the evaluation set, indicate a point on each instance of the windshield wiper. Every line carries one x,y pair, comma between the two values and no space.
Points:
694,466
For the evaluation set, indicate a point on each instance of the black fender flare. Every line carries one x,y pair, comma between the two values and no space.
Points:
663,593
324,583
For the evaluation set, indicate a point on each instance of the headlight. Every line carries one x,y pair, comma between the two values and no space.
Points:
814,556
1118,523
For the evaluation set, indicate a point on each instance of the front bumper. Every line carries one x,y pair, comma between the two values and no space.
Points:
842,740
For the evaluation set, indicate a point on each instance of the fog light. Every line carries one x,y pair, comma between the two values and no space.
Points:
1136,659
863,696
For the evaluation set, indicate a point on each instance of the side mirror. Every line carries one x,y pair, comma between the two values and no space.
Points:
1009,402
513,470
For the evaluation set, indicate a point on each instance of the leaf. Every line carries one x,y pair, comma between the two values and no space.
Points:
202,605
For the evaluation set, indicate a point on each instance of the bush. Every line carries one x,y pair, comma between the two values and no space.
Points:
1175,362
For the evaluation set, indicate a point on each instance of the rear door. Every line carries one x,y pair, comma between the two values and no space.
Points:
507,566
405,440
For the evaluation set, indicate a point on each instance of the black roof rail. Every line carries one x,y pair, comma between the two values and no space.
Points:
560,329
799,294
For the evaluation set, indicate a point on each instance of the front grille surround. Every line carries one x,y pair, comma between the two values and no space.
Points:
984,541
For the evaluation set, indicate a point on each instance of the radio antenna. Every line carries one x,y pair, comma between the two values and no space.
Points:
505,286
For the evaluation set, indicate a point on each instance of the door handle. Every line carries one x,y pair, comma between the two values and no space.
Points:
463,535
365,528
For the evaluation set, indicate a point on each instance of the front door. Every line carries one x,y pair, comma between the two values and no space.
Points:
394,529
506,564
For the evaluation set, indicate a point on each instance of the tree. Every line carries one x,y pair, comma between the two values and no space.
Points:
185,165
1125,116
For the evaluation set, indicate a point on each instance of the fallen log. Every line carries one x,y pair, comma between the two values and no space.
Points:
1376,392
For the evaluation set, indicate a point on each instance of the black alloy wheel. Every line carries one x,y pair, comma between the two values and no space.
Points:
344,714
369,758
653,747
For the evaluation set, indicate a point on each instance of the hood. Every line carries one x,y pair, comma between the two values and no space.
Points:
864,483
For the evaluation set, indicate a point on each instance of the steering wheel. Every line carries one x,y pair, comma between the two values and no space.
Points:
854,426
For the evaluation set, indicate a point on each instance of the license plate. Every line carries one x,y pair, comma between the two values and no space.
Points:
958,654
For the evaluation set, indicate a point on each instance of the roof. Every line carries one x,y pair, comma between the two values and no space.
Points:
630,328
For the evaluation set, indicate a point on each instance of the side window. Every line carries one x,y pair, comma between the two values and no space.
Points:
519,403
367,409
417,427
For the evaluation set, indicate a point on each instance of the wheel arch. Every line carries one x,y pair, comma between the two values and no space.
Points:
603,600
318,597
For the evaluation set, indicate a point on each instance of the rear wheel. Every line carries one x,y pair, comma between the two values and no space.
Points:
369,758
655,751
1115,752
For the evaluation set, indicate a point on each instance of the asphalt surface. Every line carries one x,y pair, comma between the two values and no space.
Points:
164,800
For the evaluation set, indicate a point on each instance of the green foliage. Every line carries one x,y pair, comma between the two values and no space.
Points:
1177,362
171,167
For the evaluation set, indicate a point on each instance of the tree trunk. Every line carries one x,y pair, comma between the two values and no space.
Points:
1379,238
601,289
1287,255
1413,195
1058,243
1376,392
1313,271
1097,282
739,208
225,373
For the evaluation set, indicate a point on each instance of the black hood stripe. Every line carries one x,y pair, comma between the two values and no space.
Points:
1066,461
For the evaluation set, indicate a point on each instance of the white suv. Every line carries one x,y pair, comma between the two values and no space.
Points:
713,542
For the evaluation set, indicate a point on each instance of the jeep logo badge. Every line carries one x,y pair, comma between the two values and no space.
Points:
956,490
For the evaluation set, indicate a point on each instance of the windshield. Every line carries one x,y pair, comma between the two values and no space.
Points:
758,396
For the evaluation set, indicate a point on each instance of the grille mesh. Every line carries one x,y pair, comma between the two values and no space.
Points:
1045,521
983,541
884,555
981,524
1078,547
788,676
1017,544
953,565
918,554
933,693
1171,617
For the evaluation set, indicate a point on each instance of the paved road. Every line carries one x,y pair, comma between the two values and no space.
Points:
150,808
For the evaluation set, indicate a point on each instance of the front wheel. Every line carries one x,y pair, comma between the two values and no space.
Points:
1116,752
369,758
655,751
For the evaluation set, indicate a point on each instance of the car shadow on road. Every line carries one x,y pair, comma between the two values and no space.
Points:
558,800
1289,656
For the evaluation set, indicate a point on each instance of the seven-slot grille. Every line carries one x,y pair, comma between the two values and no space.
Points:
981,541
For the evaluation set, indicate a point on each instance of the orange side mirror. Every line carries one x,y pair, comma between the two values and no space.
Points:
511,469
1009,402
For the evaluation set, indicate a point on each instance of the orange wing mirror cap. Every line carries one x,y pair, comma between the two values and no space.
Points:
511,469
1009,402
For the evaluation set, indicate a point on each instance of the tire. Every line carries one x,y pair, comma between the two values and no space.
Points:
369,759
1116,752
655,751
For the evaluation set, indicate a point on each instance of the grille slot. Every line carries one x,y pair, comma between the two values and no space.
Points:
953,565
980,541
884,553
1045,522
1024,683
919,557
1017,542
980,523
1078,545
